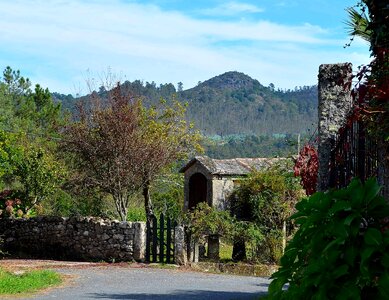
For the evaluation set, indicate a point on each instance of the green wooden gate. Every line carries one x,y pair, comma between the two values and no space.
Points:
160,240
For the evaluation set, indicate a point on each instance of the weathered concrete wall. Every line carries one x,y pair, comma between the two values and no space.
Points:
82,238
335,103
221,190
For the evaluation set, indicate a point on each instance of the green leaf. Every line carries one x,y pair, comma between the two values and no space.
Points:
350,292
340,232
373,237
350,219
371,189
350,255
385,260
365,256
340,206
332,244
276,285
340,271
383,286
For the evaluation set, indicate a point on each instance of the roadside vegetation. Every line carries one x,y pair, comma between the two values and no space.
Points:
27,282
257,226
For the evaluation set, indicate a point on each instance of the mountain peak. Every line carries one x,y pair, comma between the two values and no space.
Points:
230,80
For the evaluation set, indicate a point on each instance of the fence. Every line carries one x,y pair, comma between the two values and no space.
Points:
353,154
160,237
345,149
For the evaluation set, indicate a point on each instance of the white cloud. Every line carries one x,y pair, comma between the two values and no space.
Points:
232,8
56,41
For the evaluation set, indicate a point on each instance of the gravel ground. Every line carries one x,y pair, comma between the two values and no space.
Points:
97,281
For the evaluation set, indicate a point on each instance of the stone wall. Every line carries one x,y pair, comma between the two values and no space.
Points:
81,238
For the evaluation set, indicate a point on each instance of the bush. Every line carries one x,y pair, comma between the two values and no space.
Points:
11,205
266,199
206,220
341,250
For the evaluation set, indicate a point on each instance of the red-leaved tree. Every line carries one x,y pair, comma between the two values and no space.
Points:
306,166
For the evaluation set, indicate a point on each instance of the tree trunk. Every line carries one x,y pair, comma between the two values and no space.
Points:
120,207
148,204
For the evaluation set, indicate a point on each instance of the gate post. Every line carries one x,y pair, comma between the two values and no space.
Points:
179,246
139,241
213,247
335,103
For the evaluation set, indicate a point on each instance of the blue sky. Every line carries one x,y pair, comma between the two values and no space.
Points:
61,44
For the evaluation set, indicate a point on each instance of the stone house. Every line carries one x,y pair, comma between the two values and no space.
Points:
212,180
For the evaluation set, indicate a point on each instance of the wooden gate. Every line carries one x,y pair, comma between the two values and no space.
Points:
160,240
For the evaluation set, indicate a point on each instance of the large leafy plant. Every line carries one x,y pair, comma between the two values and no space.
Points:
341,250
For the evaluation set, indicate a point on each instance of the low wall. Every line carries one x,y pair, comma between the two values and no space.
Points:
81,238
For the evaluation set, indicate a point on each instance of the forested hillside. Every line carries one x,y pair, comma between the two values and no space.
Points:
233,103
238,115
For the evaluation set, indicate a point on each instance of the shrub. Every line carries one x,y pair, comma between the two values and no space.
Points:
266,199
341,250
11,205
206,220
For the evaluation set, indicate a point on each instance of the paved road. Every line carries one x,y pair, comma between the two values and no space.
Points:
148,283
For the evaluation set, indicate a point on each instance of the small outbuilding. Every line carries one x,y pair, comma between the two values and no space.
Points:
212,180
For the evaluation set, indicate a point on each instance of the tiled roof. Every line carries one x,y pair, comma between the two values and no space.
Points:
235,166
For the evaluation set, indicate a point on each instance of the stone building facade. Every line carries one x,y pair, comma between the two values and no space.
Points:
212,180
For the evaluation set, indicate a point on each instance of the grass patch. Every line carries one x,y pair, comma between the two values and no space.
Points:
225,252
11,283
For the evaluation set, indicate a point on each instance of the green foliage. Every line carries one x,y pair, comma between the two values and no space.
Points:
28,124
27,282
167,192
39,174
205,220
10,155
340,250
136,214
266,200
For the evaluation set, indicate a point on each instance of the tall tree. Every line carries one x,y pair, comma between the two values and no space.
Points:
28,124
120,147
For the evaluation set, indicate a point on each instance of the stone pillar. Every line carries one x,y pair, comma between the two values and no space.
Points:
179,246
139,241
335,103
213,247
